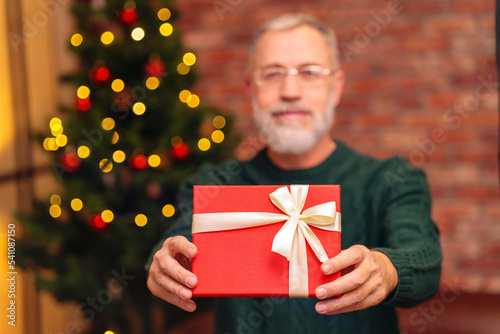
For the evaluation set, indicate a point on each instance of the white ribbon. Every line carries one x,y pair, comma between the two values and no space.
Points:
290,241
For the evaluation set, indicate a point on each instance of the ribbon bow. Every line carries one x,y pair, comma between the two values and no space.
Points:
290,241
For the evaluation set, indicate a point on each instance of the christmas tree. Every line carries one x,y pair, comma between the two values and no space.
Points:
134,132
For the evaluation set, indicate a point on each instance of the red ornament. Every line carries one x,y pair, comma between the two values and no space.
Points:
128,16
139,161
180,151
70,161
155,68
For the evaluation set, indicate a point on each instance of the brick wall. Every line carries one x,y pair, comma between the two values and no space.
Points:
421,82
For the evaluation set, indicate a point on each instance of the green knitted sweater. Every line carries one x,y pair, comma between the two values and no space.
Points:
385,206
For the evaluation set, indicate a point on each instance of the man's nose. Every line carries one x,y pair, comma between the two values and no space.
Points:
291,88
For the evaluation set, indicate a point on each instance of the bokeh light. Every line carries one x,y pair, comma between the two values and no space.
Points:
76,204
203,144
168,210
107,37
141,220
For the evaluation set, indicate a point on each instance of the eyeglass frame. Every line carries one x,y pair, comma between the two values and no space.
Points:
293,71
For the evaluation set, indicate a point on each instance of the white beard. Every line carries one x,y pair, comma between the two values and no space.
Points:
291,136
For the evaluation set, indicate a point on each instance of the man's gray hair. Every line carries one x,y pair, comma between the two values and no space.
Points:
295,20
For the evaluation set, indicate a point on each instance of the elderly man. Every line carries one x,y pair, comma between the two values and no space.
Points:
391,254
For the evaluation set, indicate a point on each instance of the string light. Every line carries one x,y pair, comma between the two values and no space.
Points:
119,156
152,83
164,14
168,210
107,216
166,29
105,165
83,152
183,96
61,140
108,124
219,122
154,160
189,59
83,92
51,144
54,122
76,39
56,129
217,136
115,138
76,204
117,85
183,69
55,199
55,211
107,37
203,144
193,100
141,220
139,108
137,34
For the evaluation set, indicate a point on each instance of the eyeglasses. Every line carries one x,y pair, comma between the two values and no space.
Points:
276,75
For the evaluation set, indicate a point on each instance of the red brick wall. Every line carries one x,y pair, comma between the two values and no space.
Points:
421,82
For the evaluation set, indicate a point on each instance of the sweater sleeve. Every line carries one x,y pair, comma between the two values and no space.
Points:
411,238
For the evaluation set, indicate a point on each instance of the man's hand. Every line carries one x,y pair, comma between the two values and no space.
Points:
170,277
371,280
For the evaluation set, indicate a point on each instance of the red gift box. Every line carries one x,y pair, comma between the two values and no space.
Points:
264,241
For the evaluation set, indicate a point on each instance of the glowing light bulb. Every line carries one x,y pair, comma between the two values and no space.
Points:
139,108
83,152
219,122
55,211
106,165
117,85
107,37
193,101
166,29
168,210
217,136
76,204
76,39
55,199
61,140
141,220
189,59
115,138
203,144
164,14
108,124
183,69
83,92
119,156
152,83
183,96
137,34
107,216
154,160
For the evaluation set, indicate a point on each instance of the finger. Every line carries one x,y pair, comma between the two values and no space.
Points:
343,284
172,268
166,288
351,301
187,305
346,258
180,245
